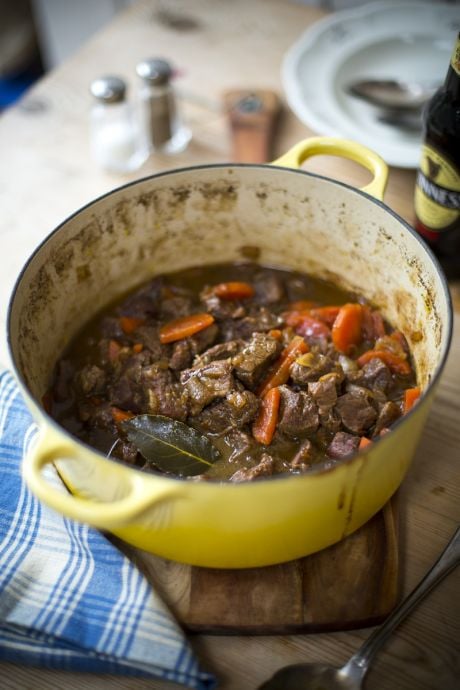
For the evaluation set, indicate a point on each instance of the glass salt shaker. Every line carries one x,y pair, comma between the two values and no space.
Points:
164,128
117,140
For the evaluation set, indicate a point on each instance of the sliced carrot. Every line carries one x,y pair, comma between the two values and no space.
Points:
411,395
130,323
296,347
346,330
364,442
279,373
138,347
120,415
184,327
326,314
275,333
265,423
233,290
397,364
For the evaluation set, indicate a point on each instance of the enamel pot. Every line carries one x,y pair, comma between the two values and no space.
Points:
284,217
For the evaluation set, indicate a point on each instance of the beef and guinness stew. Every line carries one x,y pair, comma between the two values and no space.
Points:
234,372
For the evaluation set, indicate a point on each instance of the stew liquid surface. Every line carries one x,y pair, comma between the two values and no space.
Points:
239,371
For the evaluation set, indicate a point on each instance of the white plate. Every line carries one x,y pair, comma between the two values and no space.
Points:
404,40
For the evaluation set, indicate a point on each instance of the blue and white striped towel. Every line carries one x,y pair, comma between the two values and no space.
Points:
68,598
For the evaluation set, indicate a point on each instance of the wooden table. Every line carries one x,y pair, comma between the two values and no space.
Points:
47,173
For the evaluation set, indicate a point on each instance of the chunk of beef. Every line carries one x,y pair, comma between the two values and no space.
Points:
184,351
181,357
221,308
355,378
144,302
203,339
376,375
259,319
269,288
111,353
149,336
304,456
207,383
254,359
174,306
298,413
99,416
243,407
324,391
355,411
240,444
125,451
91,379
221,351
163,395
238,408
311,366
343,445
264,468
330,420
376,397
388,414
127,390
110,328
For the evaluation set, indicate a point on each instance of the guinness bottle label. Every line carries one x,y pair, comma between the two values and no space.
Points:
437,191
455,60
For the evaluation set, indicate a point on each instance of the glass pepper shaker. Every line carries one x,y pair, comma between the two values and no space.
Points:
117,141
164,128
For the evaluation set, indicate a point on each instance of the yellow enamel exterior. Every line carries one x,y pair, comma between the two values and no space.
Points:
233,526
331,146
203,523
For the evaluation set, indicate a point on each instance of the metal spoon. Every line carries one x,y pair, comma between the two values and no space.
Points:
409,121
351,676
392,94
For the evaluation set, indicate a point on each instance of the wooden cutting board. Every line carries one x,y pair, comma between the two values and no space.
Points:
351,584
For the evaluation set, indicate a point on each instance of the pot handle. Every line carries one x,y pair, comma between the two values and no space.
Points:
340,147
104,515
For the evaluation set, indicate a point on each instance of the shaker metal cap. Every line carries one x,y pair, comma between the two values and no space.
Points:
108,89
154,70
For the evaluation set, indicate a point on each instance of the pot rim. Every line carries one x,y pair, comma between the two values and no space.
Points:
320,468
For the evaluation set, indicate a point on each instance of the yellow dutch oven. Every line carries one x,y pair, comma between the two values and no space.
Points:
206,214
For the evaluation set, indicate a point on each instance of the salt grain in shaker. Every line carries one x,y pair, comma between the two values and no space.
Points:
117,140
162,122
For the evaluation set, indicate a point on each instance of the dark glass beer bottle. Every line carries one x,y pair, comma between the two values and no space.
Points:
437,187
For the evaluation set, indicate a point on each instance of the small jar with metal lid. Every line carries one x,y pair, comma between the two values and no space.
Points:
117,140
163,126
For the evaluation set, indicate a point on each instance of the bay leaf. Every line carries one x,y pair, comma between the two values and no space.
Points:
170,445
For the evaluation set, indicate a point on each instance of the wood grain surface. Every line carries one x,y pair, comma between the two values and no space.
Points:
351,584
46,174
